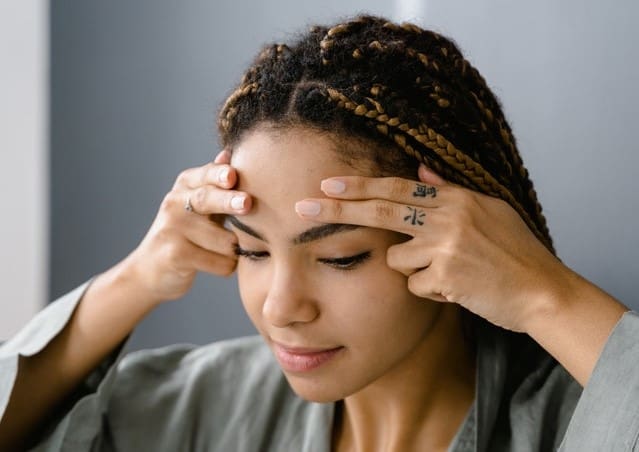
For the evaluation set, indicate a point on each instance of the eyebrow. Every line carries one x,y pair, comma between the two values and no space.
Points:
310,235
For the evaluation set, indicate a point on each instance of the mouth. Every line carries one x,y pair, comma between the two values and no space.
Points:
303,359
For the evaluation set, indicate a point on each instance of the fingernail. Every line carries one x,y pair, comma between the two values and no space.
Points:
333,186
224,175
237,202
308,208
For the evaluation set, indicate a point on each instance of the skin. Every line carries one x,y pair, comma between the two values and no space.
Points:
475,251
389,335
467,249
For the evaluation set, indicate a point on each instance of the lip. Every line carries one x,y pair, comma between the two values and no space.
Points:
303,359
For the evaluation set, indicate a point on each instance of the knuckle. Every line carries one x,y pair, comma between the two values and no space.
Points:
199,198
358,183
384,211
227,267
208,173
414,283
456,234
182,177
163,235
446,256
396,187
466,200
337,209
461,211
168,202
391,256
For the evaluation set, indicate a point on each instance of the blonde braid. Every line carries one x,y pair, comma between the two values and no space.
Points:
249,85
229,110
328,41
471,74
441,104
440,145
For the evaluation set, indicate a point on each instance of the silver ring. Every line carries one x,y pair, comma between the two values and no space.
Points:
188,206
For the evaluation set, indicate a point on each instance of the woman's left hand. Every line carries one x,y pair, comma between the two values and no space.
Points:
465,247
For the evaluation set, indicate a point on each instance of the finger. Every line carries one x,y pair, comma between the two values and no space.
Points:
375,213
428,176
223,156
221,175
423,285
390,188
208,200
408,257
205,261
210,236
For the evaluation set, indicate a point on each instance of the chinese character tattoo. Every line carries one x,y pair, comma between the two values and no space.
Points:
424,191
415,216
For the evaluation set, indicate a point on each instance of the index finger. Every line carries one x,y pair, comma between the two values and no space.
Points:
218,174
394,189
374,213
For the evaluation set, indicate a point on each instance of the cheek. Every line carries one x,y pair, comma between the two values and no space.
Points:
367,307
378,310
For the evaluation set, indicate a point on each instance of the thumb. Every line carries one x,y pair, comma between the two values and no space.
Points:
428,176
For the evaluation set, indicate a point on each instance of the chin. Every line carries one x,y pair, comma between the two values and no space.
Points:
315,390
319,390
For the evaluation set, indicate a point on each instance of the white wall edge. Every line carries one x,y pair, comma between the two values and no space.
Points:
24,161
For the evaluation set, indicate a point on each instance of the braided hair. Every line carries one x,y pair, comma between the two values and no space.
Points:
408,90
408,93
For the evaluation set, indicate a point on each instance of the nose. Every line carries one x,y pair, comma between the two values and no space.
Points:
289,300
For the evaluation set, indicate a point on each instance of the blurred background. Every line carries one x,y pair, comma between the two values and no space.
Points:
102,104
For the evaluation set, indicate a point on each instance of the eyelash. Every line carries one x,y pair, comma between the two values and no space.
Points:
339,263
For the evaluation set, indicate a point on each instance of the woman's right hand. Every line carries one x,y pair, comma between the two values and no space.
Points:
180,243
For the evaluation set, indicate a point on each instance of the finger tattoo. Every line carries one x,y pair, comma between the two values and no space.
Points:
424,191
415,216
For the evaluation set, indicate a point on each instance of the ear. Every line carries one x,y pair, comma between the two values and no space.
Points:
428,176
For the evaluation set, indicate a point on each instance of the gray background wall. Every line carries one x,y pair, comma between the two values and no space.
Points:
136,85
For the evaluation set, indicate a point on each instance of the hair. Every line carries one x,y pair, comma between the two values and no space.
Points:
407,90
390,84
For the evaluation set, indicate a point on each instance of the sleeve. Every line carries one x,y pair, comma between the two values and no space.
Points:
30,340
607,414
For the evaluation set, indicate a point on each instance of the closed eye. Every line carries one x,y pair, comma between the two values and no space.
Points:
346,263
251,255
339,263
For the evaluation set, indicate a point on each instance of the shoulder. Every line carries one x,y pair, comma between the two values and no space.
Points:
219,394
526,398
224,359
222,377
221,368
550,391
543,398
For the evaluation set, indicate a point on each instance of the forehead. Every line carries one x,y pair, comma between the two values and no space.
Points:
292,149
279,167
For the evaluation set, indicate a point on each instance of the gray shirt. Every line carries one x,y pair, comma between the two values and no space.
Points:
232,396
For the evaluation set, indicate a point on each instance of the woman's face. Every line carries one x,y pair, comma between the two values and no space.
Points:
336,317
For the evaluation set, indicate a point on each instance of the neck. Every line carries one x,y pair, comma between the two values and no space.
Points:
421,404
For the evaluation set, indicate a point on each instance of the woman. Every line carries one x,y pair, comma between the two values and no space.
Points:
390,251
